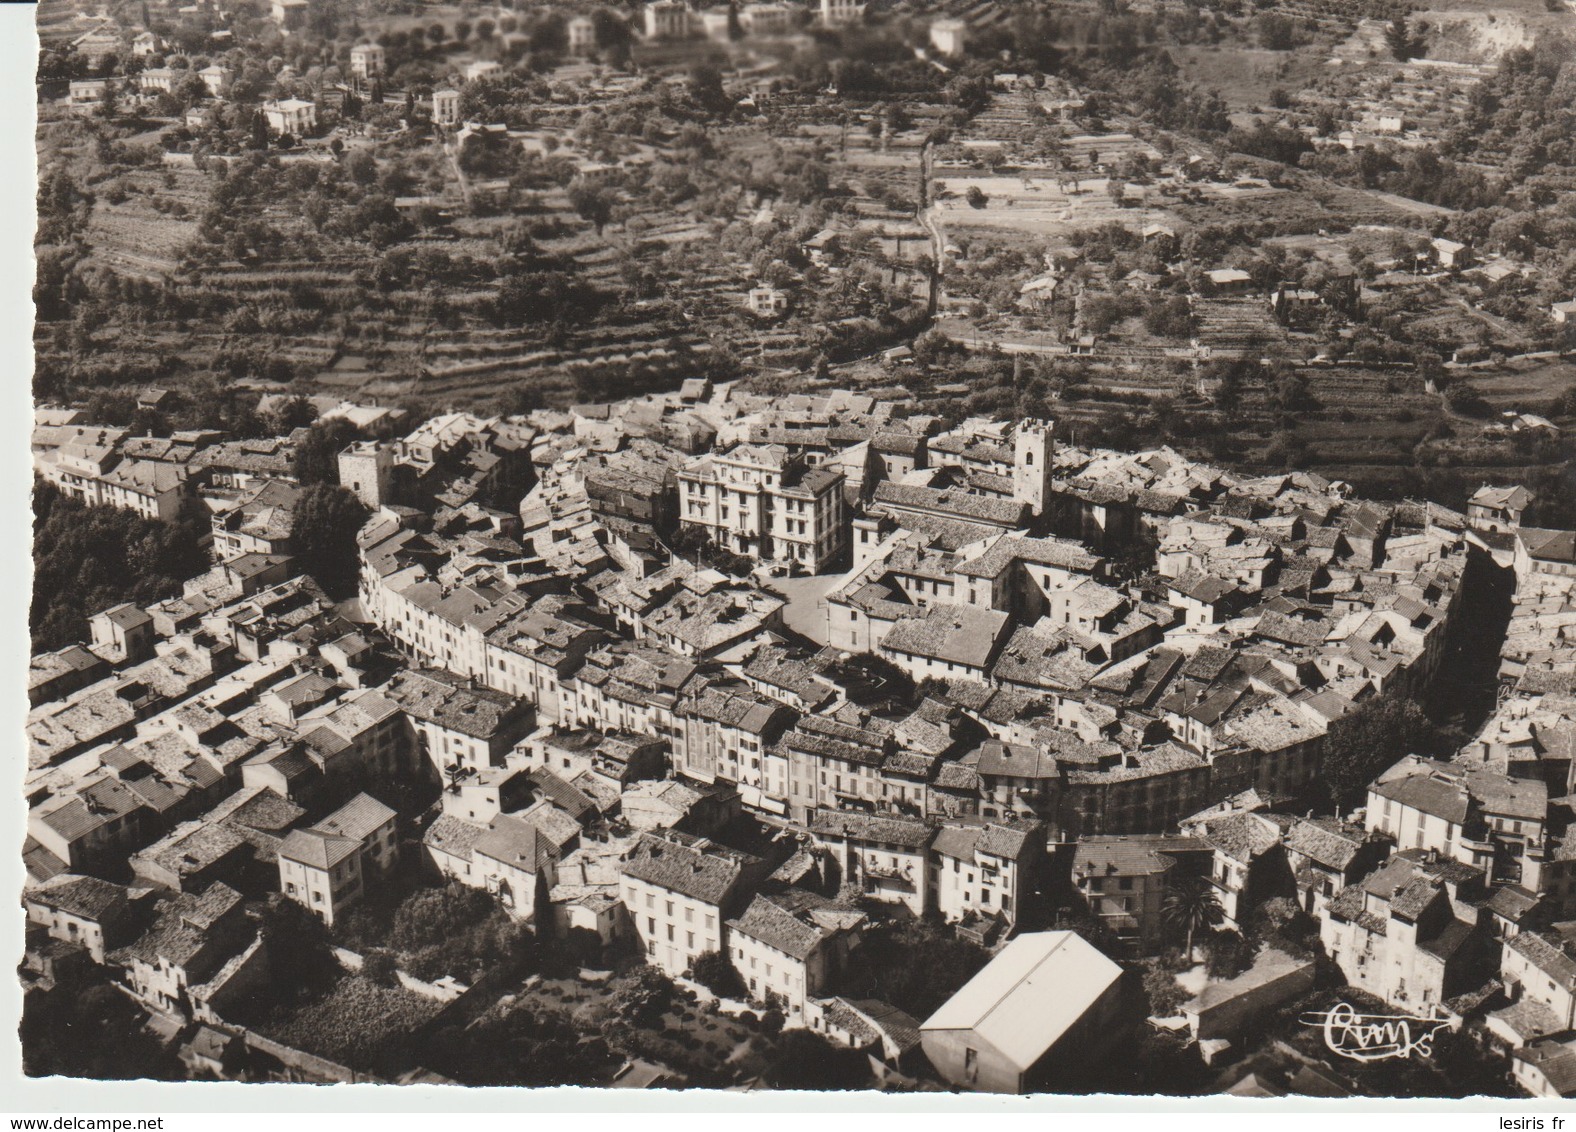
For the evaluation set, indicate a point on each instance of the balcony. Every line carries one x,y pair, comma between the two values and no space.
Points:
884,876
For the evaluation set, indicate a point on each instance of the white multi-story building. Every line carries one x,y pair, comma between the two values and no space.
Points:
836,13
99,477
787,947
988,870
680,891
215,78
446,107
885,857
293,116
667,19
366,60
766,502
767,19
326,868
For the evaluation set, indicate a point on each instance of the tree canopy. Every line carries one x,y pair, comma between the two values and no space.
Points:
327,519
86,559
1371,738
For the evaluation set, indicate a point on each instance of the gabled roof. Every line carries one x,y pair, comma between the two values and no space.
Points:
1132,854
1328,841
357,819
317,849
1029,995
1425,792
85,897
908,833
1555,1060
1547,957
452,836
771,922
697,869
517,843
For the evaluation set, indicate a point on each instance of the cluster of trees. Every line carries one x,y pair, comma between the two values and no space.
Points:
1420,174
530,1046
1373,737
694,544
453,930
83,1027
915,965
327,518
1278,32
86,559
1273,143
1163,315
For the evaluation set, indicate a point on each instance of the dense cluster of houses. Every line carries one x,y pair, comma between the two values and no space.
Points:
913,662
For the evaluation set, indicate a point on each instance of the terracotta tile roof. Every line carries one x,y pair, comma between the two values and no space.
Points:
1423,791
1328,841
1132,855
1547,957
453,836
706,872
1555,1060
316,849
1245,836
769,922
516,842
83,896
357,819
871,828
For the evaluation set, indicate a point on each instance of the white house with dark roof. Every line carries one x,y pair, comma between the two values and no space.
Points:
1123,880
54,675
680,891
1039,1012
986,870
788,946
88,828
1017,780
122,634
512,858
1538,969
884,856
1540,551
724,731
1469,813
99,476
190,939
366,60
947,641
456,723
1498,508
1249,862
327,868
1546,1068
1399,934
1326,854
449,844
82,910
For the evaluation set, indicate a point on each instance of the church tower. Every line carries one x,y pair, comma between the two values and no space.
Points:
1032,451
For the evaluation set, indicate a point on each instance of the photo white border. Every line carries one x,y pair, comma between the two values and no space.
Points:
22,1096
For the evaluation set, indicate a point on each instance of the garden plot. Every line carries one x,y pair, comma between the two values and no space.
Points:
1045,205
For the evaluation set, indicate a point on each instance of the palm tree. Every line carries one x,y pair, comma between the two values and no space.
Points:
1191,904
